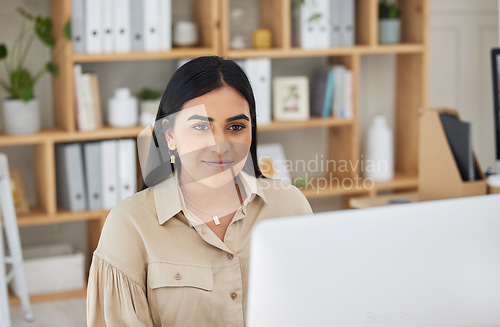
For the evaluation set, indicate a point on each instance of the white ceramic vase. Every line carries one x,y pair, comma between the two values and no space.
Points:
21,117
185,34
123,109
379,154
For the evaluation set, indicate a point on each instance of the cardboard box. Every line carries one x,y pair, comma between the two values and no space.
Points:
439,176
52,268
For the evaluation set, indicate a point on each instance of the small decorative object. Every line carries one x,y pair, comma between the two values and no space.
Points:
493,182
148,105
238,42
301,181
271,160
21,113
185,34
122,109
291,98
389,25
261,38
18,193
242,20
379,157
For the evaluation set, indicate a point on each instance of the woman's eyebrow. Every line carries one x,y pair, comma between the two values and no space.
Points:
210,119
200,117
240,116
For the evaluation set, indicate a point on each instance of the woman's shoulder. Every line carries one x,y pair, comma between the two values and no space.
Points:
283,196
277,187
121,242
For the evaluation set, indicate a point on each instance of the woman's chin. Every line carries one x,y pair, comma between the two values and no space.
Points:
218,180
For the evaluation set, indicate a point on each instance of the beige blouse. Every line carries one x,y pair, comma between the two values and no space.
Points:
157,265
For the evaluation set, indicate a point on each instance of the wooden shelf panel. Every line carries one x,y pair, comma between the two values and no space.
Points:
313,122
54,135
58,135
175,53
400,181
15,301
37,217
339,51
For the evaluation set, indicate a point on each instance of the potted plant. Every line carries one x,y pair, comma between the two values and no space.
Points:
389,24
21,113
149,102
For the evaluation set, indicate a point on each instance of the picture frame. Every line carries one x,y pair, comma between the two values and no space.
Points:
18,193
291,98
272,161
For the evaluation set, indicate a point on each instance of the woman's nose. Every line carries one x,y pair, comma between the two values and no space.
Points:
220,142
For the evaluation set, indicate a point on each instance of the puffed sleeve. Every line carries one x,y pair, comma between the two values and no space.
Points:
114,299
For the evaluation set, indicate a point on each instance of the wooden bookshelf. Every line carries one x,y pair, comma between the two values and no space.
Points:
342,136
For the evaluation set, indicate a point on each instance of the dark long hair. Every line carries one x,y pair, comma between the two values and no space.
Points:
194,79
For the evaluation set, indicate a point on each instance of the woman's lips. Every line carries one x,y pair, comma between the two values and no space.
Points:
218,164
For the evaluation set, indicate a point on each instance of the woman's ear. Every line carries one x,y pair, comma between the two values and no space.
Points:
169,134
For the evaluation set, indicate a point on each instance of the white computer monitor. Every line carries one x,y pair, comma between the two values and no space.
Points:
422,264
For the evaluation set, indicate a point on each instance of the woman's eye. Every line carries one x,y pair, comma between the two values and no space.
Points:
236,128
201,127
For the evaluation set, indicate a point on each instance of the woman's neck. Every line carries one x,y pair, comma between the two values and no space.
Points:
209,199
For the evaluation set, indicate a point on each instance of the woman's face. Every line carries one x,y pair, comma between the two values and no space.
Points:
212,135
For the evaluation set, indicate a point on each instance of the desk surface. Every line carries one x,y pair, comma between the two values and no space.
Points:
382,200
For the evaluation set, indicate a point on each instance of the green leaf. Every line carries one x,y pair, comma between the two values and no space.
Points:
20,79
3,51
67,30
26,94
43,29
52,68
24,13
313,17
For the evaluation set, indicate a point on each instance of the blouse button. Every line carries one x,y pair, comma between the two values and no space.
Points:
178,276
230,256
234,296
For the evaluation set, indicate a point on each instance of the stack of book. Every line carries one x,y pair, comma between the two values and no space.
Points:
121,25
319,24
88,111
332,93
95,175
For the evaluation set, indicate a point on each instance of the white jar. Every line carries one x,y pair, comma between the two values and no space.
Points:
379,154
185,34
123,109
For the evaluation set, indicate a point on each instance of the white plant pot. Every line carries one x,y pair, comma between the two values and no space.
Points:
389,31
148,110
21,117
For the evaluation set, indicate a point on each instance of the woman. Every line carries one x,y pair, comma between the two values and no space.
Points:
176,253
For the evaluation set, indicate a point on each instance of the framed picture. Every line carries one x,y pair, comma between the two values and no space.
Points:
18,194
291,98
271,159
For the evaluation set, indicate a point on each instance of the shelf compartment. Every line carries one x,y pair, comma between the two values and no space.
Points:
273,15
175,53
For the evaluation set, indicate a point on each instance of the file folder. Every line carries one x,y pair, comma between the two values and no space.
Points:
71,193
92,157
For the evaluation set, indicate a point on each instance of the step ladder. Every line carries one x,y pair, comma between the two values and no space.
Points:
15,259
